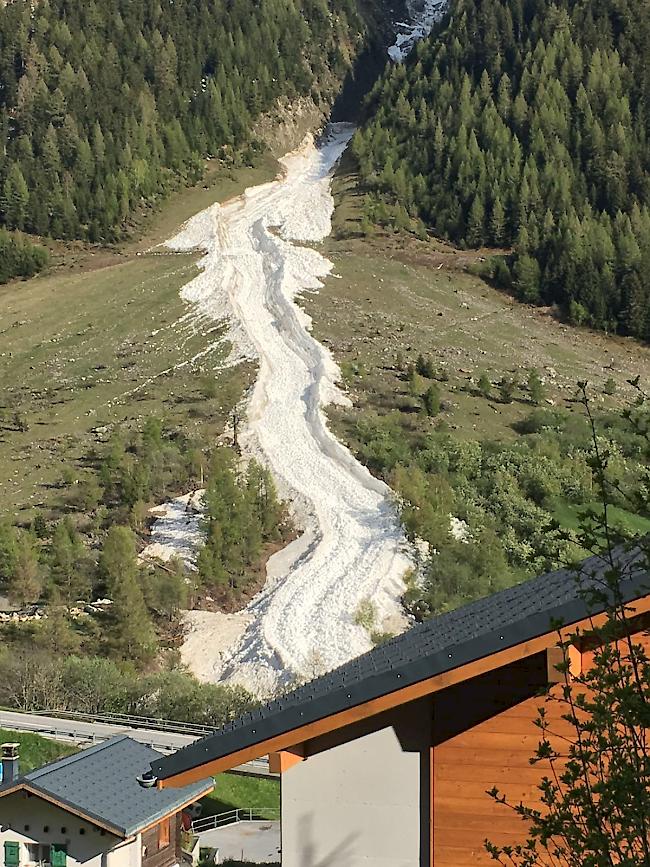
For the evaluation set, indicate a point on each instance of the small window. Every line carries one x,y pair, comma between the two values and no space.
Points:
82,831
163,834
46,829
37,853
26,828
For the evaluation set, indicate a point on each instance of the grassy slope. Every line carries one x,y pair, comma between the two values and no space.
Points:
399,295
100,340
569,516
234,790
35,751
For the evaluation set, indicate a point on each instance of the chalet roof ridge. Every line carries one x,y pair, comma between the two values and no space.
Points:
441,644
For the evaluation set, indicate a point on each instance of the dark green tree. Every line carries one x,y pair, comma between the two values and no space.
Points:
535,387
431,401
131,633
484,385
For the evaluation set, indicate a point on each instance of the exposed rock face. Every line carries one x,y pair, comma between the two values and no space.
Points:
284,128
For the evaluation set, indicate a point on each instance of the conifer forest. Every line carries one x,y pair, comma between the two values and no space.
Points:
524,125
105,105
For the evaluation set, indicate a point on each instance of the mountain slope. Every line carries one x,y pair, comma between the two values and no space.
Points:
103,105
526,124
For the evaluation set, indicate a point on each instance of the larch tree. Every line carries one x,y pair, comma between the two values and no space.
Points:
131,631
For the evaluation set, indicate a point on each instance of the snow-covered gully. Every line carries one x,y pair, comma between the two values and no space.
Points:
423,14
352,546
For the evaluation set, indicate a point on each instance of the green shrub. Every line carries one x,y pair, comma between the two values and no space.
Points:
366,614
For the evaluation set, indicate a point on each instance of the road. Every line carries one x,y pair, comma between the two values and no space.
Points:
82,732
85,733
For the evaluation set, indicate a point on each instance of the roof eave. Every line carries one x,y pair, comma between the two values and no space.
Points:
535,626
153,820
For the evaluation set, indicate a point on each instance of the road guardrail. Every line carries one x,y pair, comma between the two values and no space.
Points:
142,722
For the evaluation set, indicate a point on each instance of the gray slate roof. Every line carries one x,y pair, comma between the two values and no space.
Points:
475,631
100,782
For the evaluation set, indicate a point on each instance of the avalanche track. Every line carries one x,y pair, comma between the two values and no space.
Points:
352,547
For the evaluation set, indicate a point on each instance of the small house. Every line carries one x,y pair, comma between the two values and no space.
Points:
89,809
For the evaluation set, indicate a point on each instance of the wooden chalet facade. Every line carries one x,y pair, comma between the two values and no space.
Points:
386,761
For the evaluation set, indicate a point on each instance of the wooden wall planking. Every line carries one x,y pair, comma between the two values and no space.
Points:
485,737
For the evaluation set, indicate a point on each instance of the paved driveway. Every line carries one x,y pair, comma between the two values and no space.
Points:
258,842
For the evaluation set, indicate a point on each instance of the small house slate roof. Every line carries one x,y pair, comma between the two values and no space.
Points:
100,783
448,641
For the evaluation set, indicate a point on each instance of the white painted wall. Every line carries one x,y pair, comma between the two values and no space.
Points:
91,849
356,804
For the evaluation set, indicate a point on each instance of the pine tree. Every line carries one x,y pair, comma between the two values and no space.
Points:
8,552
56,635
15,198
425,367
170,590
267,507
413,381
431,401
25,584
609,387
506,389
634,304
476,223
484,385
65,562
527,278
498,223
131,632
535,387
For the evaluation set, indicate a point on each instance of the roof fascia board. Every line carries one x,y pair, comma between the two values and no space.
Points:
283,760
355,714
